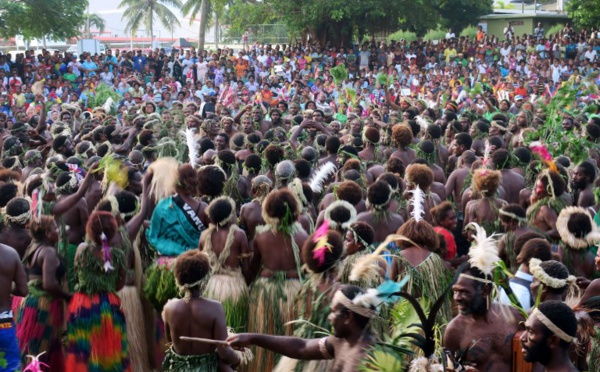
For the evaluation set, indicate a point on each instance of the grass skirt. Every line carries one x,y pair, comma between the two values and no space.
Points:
231,291
136,336
272,305
96,334
190,363
69,255
160,284
39,327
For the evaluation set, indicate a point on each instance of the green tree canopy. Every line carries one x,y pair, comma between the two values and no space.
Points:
55,19
585,13
143,12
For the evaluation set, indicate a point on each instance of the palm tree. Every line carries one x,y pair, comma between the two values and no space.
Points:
206,8
93,20
143,12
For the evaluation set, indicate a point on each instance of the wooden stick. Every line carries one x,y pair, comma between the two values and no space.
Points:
204,340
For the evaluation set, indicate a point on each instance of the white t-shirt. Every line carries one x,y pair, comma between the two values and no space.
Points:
450,35
591,55
186,63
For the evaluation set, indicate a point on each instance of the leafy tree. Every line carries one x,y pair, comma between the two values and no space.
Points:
585,13
459,14
55,19
93,20
143,12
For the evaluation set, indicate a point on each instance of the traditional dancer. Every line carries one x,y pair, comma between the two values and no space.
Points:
176,225
277,260
321,253
40,318
96,330
195,316
358,243
227,248
579,235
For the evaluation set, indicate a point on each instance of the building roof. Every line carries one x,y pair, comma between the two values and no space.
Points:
518,13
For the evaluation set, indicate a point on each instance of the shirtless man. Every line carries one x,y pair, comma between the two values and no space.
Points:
13,281
544,210
32,160
456,181
549,334
196,317
512,182
582,182
250,213
332,145
348,345
481,332
461,143
16,221
76,217
403,137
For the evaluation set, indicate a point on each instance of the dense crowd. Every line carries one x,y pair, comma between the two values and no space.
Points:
186,211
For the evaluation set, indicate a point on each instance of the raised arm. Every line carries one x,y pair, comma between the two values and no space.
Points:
292,347
134,225
68,202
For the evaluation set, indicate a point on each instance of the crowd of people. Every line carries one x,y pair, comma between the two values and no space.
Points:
262,209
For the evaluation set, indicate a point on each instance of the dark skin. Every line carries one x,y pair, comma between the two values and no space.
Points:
485,334
202,318
273,251
348,345
382,228
509,225
557,356
76,218
545,219
251,217
46,257
455,183
17,237
413,254
406,154
481,210
239,255
583,186
13,279
512,183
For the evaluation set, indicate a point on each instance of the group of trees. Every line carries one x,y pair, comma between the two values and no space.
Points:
336,22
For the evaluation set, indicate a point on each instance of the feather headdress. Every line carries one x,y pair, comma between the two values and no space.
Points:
321,243
574,242
35,365
418,198
164,178
343,224
484,253
192,146
541,150
321,175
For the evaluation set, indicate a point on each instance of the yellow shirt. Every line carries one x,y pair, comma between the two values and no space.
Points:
448,53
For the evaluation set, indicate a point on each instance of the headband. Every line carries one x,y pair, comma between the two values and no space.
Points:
538,272
340,298
512,216
552,327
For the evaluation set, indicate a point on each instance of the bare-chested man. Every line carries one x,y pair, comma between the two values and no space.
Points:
456,181
512,182
546,202
461,143
403,137
483,330
582,182
348,345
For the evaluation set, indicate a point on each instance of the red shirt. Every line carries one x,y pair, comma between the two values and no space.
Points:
450,243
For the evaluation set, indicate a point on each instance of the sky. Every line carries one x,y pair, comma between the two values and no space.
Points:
109,10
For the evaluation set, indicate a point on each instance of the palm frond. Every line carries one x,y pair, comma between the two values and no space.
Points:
165,16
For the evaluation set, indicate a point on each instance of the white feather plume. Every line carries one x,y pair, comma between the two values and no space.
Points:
107,105
370,299
321,175
418,199
486,151
484,253
192,147
423,123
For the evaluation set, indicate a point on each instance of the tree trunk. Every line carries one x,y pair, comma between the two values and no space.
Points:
217,30
202,31
151,24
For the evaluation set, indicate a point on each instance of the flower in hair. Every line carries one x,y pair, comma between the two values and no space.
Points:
106,251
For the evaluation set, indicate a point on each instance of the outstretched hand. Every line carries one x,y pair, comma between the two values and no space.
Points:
239,341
